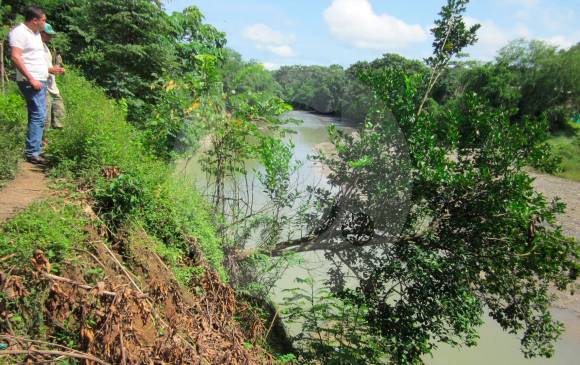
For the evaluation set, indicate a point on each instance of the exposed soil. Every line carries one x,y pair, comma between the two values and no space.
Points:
134,312
28,186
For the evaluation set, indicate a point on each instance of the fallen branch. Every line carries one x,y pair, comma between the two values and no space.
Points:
122,268
85,286
24,339
74,354
153,310
7,257
123,351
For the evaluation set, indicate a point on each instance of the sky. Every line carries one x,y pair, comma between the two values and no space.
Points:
325,32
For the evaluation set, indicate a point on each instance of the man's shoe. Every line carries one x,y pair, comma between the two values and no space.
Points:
36,160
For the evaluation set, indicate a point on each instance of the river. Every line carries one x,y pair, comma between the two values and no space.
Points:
495,346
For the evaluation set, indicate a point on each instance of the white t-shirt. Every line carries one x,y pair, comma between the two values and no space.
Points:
32,52
51,81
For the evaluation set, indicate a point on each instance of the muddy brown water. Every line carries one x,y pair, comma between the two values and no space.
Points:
495,346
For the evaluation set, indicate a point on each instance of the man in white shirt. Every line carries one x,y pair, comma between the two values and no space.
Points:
27,53
54,103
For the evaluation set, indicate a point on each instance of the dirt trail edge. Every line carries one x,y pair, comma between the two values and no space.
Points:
29,185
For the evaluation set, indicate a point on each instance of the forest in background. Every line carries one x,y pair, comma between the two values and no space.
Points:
475,219
535,79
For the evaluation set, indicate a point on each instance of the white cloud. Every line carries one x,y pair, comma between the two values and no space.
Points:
491,37
356,22
562,41
267,39
541,14
525,3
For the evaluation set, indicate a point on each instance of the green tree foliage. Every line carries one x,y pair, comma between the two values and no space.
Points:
335,90
475,237
451,36
191,38
239,76
547,79
333,331
125,50
313,87
532,77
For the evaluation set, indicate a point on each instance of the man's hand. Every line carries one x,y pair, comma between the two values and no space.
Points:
36,85
56,70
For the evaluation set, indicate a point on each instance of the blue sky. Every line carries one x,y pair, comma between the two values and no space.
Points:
324,32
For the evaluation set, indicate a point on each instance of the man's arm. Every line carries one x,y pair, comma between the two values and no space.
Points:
16,55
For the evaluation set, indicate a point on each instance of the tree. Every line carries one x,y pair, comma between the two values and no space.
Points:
253,77
547,79
191,38
313,87
124,51
439,231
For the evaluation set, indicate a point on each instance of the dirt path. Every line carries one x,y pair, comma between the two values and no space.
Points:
28,186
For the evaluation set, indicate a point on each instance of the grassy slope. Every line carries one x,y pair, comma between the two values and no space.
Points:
103,154
99,159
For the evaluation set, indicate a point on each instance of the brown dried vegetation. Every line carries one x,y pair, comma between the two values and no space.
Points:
133,312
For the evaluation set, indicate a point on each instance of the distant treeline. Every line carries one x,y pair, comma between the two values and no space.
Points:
533,77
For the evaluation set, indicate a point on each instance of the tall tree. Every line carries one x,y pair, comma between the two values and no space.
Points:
121,44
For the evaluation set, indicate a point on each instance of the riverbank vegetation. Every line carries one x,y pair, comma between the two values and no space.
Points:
428,203
126,241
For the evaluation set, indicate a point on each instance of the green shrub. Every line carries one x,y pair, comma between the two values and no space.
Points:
12,133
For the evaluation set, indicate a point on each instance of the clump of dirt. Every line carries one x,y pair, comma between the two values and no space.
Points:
125,310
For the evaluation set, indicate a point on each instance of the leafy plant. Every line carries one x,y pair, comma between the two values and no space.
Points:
12,132
333,331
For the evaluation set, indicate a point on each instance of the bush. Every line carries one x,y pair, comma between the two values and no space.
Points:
12,133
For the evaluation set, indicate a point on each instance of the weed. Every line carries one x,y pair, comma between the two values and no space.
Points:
53,226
